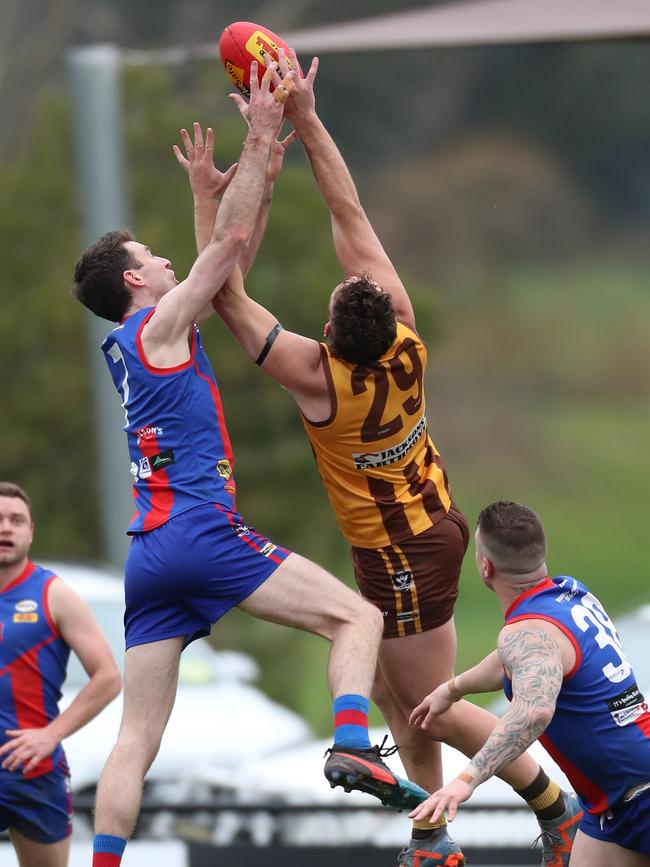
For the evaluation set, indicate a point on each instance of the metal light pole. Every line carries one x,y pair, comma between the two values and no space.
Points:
94,75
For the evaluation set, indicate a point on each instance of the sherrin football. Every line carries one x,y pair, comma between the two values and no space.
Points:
243,42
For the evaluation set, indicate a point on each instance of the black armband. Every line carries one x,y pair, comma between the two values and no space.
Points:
268,343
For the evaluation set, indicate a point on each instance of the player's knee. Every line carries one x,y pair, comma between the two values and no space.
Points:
139,747
370,617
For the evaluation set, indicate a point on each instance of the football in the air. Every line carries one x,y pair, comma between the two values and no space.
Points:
243,42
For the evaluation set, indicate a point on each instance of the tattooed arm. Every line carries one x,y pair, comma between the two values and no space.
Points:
532,659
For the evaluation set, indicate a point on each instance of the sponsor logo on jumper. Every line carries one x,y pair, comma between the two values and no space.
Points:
402,581
148,433
242,530
143,470
408,616
162,460
25,606
268,549
149,464
224,469
569,593
628,706
26,618
368,460
229,488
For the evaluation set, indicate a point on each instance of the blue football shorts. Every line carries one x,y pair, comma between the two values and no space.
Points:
39,808
627,825
181,577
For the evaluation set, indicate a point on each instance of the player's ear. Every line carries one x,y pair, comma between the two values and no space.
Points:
133,279
327,329
486,569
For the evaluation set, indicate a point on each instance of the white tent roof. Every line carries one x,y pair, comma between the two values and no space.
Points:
476,22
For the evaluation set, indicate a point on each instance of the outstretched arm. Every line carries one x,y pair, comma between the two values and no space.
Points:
180,307
208,184
291,359
357,246
534,662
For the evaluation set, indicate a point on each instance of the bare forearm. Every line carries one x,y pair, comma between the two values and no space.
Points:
519,727
487,676
205,214
247,320
248,256
236,217
100,690
533,661
331,172
241,202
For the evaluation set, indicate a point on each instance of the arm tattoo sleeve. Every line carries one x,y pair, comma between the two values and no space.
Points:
533,661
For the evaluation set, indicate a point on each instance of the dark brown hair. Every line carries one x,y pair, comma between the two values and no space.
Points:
99,275
513,537
9,489
363,323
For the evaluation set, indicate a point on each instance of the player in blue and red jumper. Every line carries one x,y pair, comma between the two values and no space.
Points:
570,684
41,620
192,556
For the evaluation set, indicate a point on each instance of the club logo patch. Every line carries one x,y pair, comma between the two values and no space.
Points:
224,469
402,581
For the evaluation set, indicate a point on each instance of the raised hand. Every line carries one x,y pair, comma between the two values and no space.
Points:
206,181
301,102
264,110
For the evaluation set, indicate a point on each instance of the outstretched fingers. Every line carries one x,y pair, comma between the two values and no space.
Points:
198,136
180,158
292,137
313,69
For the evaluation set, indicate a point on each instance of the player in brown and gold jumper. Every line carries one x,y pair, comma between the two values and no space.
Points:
361,397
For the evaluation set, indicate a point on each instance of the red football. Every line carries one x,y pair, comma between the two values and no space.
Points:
243,42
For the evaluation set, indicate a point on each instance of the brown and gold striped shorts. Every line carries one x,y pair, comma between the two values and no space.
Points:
415,583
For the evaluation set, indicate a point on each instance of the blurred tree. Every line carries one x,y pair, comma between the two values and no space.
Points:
46,436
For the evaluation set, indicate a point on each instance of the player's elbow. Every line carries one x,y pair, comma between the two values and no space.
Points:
348,211
232,239
111,681
539,717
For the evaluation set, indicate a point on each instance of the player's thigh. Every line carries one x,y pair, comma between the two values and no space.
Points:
300,593
150,680
33,854
588,852
412,666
